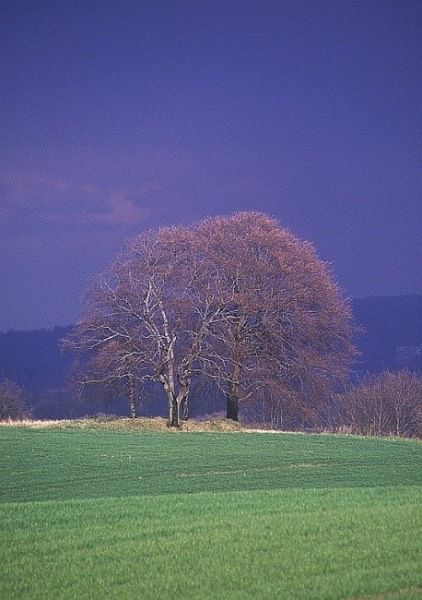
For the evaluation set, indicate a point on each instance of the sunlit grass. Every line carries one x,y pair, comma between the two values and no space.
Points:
125,424
93,514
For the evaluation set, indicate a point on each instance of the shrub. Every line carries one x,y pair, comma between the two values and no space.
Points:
12,401
386,404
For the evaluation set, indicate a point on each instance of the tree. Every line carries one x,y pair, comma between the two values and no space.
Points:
152,310
12,401
287,330
237,299
384,404
110,370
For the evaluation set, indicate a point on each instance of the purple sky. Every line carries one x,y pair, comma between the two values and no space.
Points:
121,116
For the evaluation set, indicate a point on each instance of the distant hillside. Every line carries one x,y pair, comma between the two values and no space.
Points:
34,360
389,323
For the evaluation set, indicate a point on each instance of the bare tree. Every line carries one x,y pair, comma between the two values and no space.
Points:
286,329
106,369
385,404
12,400
148,315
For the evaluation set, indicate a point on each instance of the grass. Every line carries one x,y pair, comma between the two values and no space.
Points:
125,424
88,513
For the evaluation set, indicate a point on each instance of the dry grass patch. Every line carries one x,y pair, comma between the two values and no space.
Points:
155,424
37,423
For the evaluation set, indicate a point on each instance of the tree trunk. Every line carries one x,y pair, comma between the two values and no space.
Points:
184,386
232,407
398,423
185,408
233,394
173,402
174,413
132,396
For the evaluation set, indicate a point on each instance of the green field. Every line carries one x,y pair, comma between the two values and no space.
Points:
111,514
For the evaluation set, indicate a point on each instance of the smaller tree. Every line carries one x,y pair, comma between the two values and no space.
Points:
105,368
12,401
385,404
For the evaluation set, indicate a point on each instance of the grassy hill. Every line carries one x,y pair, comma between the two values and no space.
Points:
96,513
